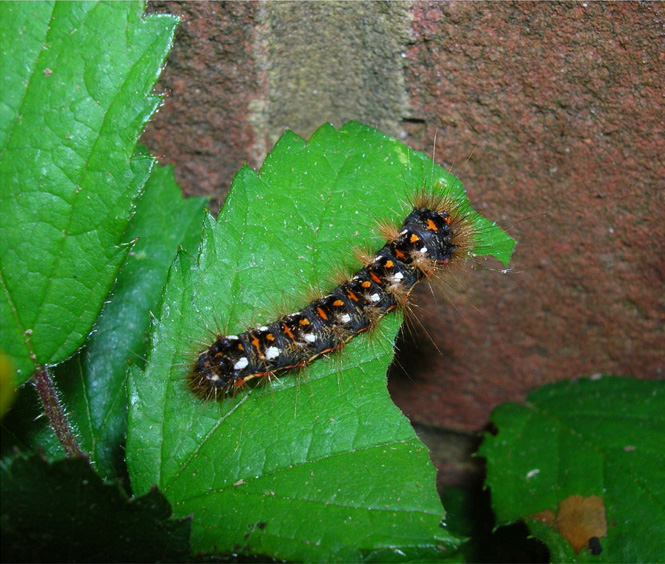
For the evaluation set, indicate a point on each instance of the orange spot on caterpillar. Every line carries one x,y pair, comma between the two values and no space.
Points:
352,295
414,238
389,264
338,303
366,284
375,278
322,314
255,342
288,331
431,225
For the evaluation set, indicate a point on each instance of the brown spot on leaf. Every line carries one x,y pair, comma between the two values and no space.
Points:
546,517
579,518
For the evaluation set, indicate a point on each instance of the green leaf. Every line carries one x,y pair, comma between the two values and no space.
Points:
93,383
97,394
76,85
579,454
314,467
62,512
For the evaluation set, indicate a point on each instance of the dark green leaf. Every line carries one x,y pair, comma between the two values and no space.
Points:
63,512
320,466
75,85
96,379
93,382
579,454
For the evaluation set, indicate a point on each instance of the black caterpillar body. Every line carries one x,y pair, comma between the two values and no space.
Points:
427,240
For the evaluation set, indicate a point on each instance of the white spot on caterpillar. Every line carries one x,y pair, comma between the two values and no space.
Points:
310,338
232,337
423,250
345,318
242,363
397,277
263,328
375,298
272,352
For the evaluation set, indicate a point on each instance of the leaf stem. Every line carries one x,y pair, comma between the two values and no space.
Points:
48,395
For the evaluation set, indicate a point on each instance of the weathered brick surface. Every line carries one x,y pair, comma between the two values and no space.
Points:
552,114
211,79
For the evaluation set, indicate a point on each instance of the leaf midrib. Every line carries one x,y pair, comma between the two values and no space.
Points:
305,463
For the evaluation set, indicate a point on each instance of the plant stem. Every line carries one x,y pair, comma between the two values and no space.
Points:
48,395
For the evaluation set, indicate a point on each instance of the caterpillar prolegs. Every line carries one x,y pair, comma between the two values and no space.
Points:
433,236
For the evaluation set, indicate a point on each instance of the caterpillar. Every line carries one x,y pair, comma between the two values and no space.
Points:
435,235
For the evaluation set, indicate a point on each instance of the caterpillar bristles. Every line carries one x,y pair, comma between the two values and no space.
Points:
437,236
362,254
387,229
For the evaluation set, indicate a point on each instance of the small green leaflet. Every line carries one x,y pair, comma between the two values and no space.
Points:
593,445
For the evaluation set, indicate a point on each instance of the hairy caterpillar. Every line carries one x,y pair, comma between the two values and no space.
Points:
435,235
